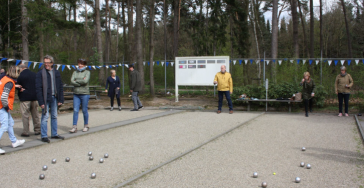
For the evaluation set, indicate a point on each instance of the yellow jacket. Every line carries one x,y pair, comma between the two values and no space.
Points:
224,81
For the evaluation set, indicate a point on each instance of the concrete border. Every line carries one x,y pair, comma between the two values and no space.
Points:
132,179
360,128
35,143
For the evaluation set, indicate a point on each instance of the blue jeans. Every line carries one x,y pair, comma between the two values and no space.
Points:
77,101
7,124
221,96
135,99
52,107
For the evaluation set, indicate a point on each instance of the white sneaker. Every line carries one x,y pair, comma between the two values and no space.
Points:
18,143
2,151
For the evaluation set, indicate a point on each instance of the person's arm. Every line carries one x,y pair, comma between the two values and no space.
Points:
73,81
85,80
231,84
133,81
336,83
39,88
5,95
351,82
119,85
61,97
107,83
215,79
313,87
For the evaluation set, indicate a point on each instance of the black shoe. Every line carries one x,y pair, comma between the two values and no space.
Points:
140,107
57,137
134,110
24,135
310,110
306,114
45,140
36,133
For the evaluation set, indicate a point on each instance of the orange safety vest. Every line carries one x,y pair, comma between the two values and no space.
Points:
3,81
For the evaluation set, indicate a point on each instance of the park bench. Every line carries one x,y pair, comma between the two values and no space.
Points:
93,91
272,100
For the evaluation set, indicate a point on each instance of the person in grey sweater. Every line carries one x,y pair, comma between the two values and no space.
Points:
135,86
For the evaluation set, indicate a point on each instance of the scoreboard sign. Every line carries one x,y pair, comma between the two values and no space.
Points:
198,71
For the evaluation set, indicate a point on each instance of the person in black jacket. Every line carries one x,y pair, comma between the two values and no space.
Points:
28,100
49,89
113,82
135,86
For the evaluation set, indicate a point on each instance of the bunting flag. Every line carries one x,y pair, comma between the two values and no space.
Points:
342,62
94,67
257,61
303,61
246,62
29,63
240,61
73,67
167,63
279,62
234,62
58,65
17,62
35,63
317,61
120,64
310,61
63,66
291,60
143,63
40,65
298,61
157,62
113,66
356,61
148,63
107,67
267,62
110,66
3,59
69,67
274,61
162,63
89,67
349,61
153,63
98,67
251,61
329,62
127,66
336,61
172,63
10,59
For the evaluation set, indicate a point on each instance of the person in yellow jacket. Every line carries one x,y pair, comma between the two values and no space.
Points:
224,86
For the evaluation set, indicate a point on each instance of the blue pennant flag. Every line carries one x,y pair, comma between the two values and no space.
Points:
274,60
262,60
240,61
285,59
117,65
349,61
63,66
167,63
336,62
298,61
29,63
103,66
3,59
17,62
157,62
40,65
325,60
89,67
148,63
251,61
363,61
310,61
110,66
73,67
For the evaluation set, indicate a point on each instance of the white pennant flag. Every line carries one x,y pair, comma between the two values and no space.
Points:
107,66
153,63
356,61
317,61
267,62
291,60
76,66
126,65
257,62
58,65
234,62
143,63
162,63
94,67
246,61
342,62
114,66
329,61
120,64
68,66
135,63
10,59
279,62
23,61
172,63
35,63
304,61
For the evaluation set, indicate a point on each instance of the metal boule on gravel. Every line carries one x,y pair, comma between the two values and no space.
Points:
255,174
93,176
302,164
91,158
106,155
297,180
89,153
308,166
303,149
54,161
42,176
68,159
101,160
264,184
45,167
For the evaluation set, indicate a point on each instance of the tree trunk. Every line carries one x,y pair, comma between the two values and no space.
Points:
321,36
151,48
75,31
124,31
312,27
99,41
347,29
41,42
138,37
175,28
24,31
305,46
296,53
130,32
274,46
107,37
117,35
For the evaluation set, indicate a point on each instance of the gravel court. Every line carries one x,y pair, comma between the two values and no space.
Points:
132,149
65,121
268,144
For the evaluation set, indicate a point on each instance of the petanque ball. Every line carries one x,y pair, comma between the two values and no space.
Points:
91,158
42,176
68,159
101,160
302,164
93,175
264,184
54,161
297,180
45,167
89,153
308,166
255,174
106,155
303,149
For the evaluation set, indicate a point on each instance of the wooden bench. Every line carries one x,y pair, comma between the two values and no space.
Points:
272,100
93,89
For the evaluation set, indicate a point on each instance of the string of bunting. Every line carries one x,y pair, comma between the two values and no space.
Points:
303,61
69,67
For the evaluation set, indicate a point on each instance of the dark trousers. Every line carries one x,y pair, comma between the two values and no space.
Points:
227,95
342,96
112,100
308,104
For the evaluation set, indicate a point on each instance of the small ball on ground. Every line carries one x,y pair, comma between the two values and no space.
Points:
302,164
91,158
298,179
93,176
68,159
45,167
42,176
303,149
106,155
308,166
255,174
89,153
101,160
264,184
54,161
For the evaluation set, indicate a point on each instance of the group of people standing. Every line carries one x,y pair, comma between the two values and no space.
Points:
45,89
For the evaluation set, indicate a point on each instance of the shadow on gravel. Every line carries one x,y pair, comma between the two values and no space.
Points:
342,156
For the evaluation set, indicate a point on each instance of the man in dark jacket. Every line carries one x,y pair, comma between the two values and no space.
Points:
135,86
49,89
28,100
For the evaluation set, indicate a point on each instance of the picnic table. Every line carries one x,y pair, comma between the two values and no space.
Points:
272,100
92,90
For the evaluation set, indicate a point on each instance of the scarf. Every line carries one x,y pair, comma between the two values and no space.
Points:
343,75
80,70
45,86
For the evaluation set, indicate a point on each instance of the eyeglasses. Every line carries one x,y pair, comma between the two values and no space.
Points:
47,62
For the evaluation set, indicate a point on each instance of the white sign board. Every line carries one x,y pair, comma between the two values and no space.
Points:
198,71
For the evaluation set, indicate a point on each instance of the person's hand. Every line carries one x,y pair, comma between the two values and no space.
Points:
231,92
131,91
84,78
336,93
18,86
105,90
117,88
303,80
215,82
312,94
22,89
59,104
42,106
